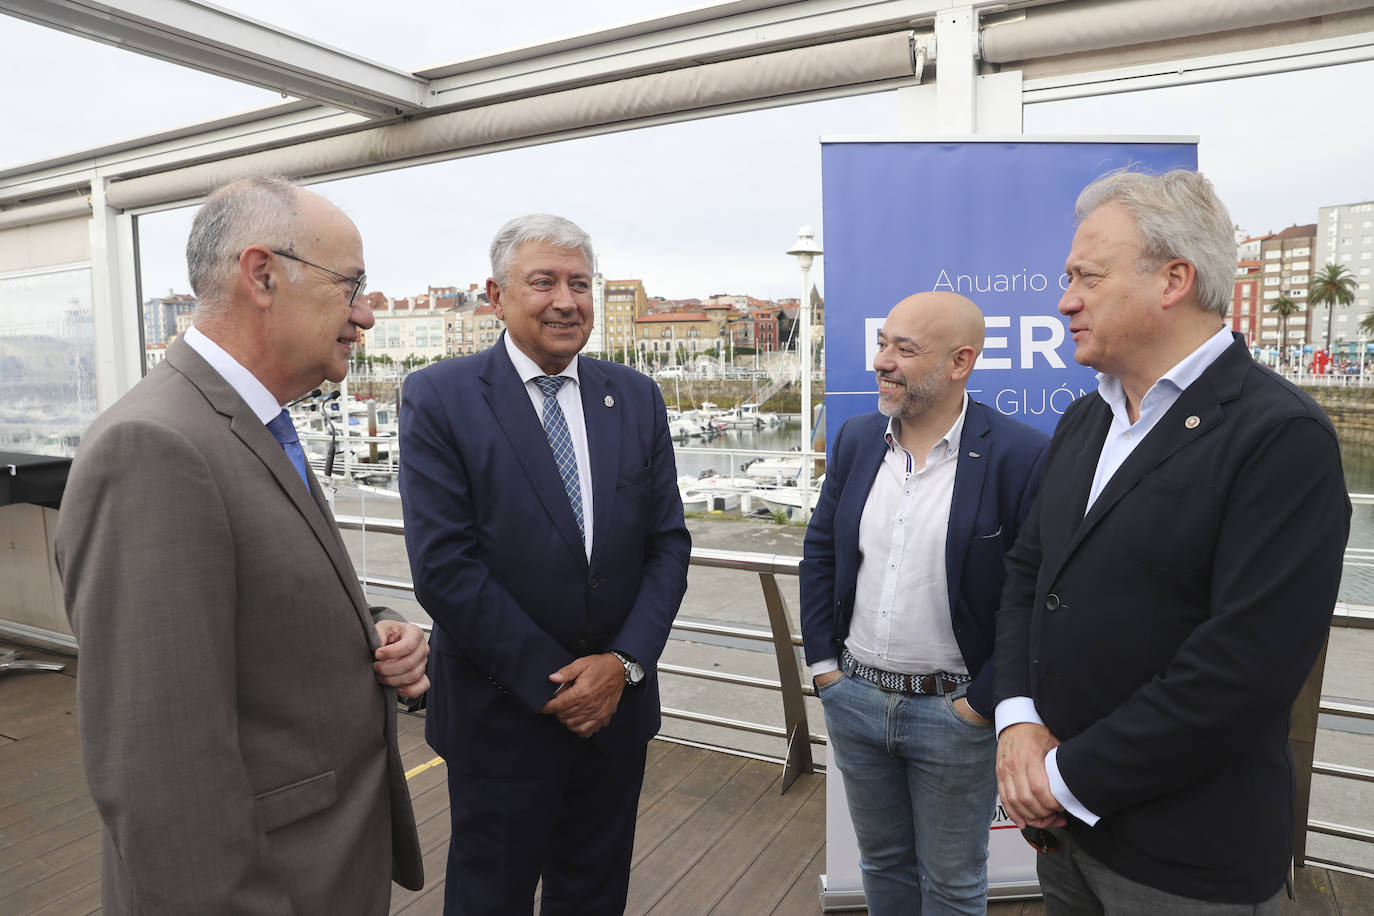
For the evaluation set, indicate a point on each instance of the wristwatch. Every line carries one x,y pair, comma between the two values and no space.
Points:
634,671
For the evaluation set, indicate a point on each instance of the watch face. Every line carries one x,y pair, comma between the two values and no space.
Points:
635,671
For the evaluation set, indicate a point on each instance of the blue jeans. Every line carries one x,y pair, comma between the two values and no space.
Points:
922,785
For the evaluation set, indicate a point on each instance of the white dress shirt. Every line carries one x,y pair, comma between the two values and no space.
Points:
901,599
1122,438
262,402
570,400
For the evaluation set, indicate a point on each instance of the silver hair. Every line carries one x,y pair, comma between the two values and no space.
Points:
259,209
536,227
1178,215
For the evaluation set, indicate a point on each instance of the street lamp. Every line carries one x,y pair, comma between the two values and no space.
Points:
805,250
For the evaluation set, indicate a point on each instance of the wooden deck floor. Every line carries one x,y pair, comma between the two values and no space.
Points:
714,835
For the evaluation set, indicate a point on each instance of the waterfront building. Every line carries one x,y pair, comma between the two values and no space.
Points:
1245,300
408,329
166,316
694,332
1287,267
1345,237
626,301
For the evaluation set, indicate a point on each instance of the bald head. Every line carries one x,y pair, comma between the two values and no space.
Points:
948,319
926,350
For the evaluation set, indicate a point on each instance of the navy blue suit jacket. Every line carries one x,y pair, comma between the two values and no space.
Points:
498,562
995,483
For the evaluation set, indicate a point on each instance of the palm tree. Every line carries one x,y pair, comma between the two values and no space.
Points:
1367,324
1283,307
1332,287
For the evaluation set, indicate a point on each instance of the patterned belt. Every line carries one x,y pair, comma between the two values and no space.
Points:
938,684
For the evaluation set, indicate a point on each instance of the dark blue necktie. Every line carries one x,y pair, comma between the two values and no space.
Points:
284,431
560,440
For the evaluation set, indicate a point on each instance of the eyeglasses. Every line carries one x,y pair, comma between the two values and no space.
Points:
359,283
1043,841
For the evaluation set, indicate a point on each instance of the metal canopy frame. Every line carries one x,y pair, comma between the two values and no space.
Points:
226,44
947,87
342,94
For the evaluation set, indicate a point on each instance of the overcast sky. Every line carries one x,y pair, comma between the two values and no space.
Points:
703,207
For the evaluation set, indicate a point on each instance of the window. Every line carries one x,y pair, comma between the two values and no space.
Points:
1271,268
1273,253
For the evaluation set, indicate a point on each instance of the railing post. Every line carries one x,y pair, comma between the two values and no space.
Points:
789,673
1302,736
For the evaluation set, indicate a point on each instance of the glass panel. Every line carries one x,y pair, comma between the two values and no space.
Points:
93,94
416,36
47,361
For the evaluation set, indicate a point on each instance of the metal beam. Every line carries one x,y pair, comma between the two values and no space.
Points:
226,44
705,35
1283,58
730,30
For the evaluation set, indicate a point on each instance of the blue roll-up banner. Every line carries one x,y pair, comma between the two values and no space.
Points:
991,219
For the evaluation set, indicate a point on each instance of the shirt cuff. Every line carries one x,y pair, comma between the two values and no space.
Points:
1014,711
1061,790
824,666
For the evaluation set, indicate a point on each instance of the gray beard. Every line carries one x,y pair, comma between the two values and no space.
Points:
915,399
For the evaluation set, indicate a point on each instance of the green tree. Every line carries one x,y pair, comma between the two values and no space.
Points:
1333,286
1283,307
1367,324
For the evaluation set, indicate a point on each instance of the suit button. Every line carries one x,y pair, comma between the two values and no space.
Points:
595,582
1051,602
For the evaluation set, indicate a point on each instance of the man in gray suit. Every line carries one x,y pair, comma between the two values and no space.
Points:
236,693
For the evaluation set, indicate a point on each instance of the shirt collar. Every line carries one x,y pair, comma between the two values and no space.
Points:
1188,370
261,401
528,370
949,442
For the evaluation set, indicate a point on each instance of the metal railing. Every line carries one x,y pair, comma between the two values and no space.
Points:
786,642
780,633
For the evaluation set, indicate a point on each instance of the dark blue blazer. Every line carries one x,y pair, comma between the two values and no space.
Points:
1165,632
995,483
498,562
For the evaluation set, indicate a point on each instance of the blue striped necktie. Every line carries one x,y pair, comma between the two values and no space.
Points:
560,440
284,431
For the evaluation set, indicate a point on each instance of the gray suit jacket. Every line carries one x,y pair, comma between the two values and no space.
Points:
238,747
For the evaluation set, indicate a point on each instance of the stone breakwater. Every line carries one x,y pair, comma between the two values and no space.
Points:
1351,411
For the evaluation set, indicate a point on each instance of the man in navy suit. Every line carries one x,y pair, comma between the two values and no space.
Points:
899,587
547,541
1174,584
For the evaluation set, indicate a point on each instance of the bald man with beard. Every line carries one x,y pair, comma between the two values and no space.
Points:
900,584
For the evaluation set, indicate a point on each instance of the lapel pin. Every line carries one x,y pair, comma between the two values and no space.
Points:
610,401
1191,422
974,455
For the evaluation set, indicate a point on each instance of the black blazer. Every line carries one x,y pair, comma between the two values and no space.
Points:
1165,635
995,479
